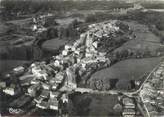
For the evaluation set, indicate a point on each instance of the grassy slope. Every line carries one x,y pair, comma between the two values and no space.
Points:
53,44
144,39
103,105
95,105
127,69
7,65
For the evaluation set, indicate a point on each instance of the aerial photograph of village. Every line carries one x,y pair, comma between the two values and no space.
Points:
89,58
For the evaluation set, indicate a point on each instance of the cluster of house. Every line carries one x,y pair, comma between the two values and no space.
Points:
12,88
129,107
126,107
47,82
104,29
38,24
152,93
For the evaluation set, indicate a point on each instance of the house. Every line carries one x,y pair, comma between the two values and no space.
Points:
90,54
65,52
2,84
59,77
77,52
128,112
67,47
147,99
28,76
71,77
52,81
35,81
150,107
55,86
158,72
9,91
19,70
42,74
160,100
45,94
32,90
161,92
34,27
25,82
57,63
38,99
35,70
160,85
95,44
43,105
54,94
162,64
45,86
65,98
147,85
54,104
12,90
102,59
21,101
128,102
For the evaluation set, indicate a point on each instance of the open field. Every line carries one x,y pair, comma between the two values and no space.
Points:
127,69
142,32
7,65
20,22
3,28
53,44
103,105
95,105
140,45
144,40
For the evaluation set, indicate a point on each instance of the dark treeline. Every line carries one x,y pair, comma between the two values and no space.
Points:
148,18
153,5
34,6
30,6
21,53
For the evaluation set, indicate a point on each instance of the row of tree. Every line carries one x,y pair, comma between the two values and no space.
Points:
31,6
108,84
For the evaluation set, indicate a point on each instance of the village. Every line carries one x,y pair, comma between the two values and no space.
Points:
46,83
86,64
151,94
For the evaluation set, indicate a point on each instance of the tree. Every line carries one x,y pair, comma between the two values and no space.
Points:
124,53
106,84
123,85
99,84
90,18
147,52
52,33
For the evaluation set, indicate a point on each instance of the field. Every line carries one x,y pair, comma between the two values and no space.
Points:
142,32
20,22
139,45
7,65
3,28
103,105
144,39
95,105
127,69
53,44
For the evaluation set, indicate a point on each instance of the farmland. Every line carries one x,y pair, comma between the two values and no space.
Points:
8,65
95,105
145,40
53,44
124,71
116,45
